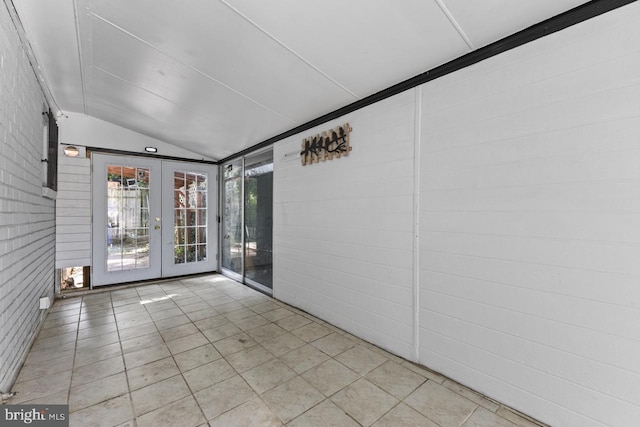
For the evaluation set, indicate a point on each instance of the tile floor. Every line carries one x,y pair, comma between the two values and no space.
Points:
209,351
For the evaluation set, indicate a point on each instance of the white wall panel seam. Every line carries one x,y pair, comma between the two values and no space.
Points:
416,215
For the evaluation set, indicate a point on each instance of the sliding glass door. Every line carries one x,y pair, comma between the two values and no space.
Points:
247,223
258,219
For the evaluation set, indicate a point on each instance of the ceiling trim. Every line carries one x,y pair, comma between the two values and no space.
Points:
455,24
151,156
549,26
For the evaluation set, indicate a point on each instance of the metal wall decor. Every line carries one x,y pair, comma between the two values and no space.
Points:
326,145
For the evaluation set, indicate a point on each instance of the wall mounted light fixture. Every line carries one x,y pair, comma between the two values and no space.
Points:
71,151
151,149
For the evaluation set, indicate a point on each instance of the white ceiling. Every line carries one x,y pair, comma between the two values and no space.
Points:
217,76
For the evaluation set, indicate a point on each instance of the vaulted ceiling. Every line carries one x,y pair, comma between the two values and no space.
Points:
217,76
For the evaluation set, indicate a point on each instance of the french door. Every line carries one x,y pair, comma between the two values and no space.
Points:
151,219
247,220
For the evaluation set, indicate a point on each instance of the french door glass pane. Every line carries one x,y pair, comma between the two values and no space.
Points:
189,219
232,217
127,218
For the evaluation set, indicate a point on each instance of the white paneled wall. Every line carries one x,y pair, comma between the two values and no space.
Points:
528,202
27,221
343,229
73,210
529,226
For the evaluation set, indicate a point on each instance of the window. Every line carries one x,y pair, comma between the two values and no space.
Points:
50,152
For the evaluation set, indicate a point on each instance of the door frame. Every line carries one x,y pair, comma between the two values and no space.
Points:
161,206
239,277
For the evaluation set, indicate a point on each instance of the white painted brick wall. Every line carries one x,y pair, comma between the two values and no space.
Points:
343,229
530,235
27,222
529,232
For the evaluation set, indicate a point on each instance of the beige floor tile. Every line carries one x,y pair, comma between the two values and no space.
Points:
55,341
199,356
192,305
311,332
304,358
283,344
113,412
365,402
54,323
395,379
211,322
404,416
182,413
325,414
277,314
85,324
187,343
194,316
249,358
172,322
98,341
292,398
57,398
293,322
268,375
152,373
225,395
137,331
146,355
159,394
40,356
89,356
240,314
234,344
330,377
207,375
483,418
221,332
163,305
471,395
250,414
129,323
93,313
265,306
333,344
93,372
58,330
97,330
140,313
361,360
251,322
38,370
229,306
40,387
165,314
98,391
440,404
179,331
266,332
64,313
